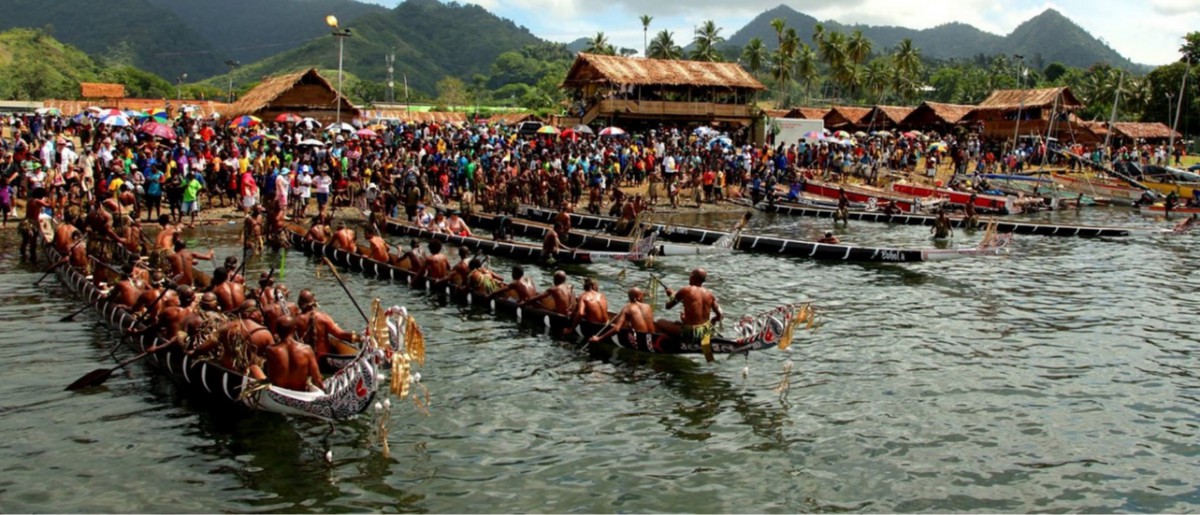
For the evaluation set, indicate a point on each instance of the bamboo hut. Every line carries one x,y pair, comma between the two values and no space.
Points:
305,93
885,117
845,117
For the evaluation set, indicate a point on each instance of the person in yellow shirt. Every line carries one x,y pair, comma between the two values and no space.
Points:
114,187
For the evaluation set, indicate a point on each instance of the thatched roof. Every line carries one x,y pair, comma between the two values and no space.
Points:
267,92
1005,99
932,113
1147,131
777,113
887,115
74,107
511,118
640,71
845,115
808,113
101,90
417,116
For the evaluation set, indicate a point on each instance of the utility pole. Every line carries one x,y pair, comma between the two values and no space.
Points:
179,88
391,69
231,64
1017,126
341,35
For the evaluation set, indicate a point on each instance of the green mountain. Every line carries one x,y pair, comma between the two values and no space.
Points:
35,66
431,40
131,32
1047,37
261,28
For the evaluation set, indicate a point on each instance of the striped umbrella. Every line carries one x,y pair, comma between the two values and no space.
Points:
158,130
102,113
116,120
245,121
159,115
612,131
814,135
548,129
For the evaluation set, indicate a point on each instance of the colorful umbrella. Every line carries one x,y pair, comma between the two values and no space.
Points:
245,121
569,133
583,129
116,121
289,118
311,143
366,133
104,113
158,130
134,113
841,135
612,131
939,147
159,115
721,141
814,135
52,111
548,129
310,122
911,134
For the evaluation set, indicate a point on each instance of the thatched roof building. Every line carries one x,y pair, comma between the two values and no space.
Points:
936,115
885,117
845,117
1013,99
807,113
1139,131
403,115
305,93
617,71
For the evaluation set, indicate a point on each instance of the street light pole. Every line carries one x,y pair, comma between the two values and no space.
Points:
341,35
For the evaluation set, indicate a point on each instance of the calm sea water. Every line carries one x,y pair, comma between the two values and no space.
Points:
1059,378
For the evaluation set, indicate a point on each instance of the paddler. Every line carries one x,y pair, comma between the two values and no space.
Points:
378,248
592,306
699,307
319,232
970,218
462,269
148,301
344,239
941,227
30,227
520,286
436,266
183,263
238,343
101,236
290,363
634,325
318,329
127,290
481,279
230,295
561,296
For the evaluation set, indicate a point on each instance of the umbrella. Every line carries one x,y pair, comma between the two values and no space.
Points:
311,143
158,130
269,137
722,141
569,133
939,146
704,131
583,129
103,113
814,135
860,134
612,131
116,121
52,111
548,129
841,135
366,133
134,113
310,122
340,127
289,118
158,115
245,121
94,109
911,134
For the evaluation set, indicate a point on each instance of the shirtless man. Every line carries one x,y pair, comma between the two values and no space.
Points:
843,207
76,254
941,227
550,246
64,238
230,295
290,363
437,267
126,291
561,295
378,247
699,306
319,232
562,220
149,301
519,286
414,259
176,320
231,264
480,279
131,233
456,225
318,329
592,306
971,218
252,231
30,228
183,263
345,239
238,343
458,274
634,324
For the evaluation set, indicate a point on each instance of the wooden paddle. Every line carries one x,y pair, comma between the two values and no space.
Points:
71,317
99,376
338,276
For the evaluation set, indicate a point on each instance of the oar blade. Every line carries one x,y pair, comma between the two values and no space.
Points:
94,378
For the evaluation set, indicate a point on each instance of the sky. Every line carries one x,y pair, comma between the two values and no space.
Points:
1146,31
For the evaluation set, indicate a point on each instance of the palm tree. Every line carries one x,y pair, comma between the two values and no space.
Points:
755,54
778,24
599,45
806,67
858,48
663,46
646,19
833,52
876,77
708,37
907,57
818,35
781,71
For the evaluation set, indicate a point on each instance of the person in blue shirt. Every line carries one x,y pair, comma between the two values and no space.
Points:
154,191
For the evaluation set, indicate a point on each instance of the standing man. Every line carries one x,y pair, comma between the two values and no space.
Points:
192,186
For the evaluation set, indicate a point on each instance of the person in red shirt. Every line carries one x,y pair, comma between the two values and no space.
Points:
707,180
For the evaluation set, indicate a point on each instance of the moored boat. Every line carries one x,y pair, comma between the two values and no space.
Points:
871,196
1115,191
993,204
1161,210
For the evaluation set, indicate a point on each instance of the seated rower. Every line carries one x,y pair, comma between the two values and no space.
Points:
183,263
436,266
320,331
344,239
458,274
290,363
239,343
319,232
75,254
229,294
592,306
278,307
829,238
64,238
176,321
128,289
560,295
411,259
231,264
378,247
634,325
480,279
519,287
149,300
941,227
695,324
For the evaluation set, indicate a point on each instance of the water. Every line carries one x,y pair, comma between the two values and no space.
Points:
1060,378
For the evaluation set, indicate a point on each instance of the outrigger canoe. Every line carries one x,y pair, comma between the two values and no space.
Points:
751,333
754,243
592,241
348,393
994,204
1161,210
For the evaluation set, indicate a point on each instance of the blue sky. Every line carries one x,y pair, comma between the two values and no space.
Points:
1147,31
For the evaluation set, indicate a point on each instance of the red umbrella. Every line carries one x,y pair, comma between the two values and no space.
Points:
569,133
366,133
289,118
158,130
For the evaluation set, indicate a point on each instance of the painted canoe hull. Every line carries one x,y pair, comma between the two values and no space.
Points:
1117,193
983,203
